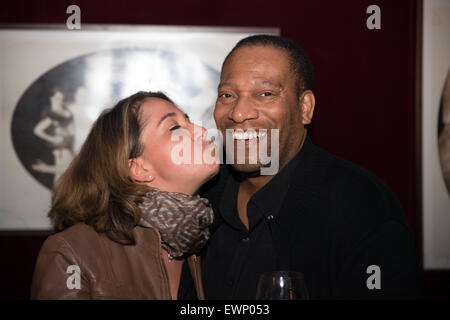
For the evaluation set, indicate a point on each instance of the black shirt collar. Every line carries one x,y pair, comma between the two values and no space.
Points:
269,198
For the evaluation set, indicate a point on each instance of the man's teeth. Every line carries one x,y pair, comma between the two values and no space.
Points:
245,135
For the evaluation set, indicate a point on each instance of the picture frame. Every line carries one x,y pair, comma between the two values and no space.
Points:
54,82
433,131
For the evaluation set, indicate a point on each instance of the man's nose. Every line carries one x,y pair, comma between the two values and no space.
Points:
243,110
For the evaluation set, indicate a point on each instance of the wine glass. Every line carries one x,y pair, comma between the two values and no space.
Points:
281,285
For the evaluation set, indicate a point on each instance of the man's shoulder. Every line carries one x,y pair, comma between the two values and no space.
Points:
340,174
350,180
352,202
343,188
354,194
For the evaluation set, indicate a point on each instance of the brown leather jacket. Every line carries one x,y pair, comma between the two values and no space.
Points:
108,270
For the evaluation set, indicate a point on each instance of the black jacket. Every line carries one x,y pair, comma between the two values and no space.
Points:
336,221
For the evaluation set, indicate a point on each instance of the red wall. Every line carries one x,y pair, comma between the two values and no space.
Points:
364,79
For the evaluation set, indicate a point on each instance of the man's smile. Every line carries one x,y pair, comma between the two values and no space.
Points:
249,134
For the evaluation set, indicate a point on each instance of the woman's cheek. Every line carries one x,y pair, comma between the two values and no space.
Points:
178,153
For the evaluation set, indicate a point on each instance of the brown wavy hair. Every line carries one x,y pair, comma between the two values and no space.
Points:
97,189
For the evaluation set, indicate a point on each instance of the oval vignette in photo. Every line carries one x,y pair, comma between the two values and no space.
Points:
54,114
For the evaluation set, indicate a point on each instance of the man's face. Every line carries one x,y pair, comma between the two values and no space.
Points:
258,91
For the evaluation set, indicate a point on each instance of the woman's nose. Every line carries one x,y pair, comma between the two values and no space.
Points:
199,132
243,110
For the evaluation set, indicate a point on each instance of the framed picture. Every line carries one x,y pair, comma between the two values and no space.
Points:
435,134
54,83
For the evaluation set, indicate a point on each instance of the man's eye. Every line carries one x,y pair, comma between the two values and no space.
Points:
175,127
225,95
266,94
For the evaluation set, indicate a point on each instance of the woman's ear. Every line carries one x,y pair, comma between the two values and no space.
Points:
307,102
138,172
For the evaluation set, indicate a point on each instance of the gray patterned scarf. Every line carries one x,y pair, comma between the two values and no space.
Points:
182,220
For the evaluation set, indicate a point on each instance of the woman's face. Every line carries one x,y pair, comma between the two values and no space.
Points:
175,154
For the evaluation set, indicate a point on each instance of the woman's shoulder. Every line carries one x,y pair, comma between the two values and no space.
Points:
79,249
78,245
75,238
83,238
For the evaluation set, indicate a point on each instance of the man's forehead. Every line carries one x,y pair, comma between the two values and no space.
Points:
256,74
262,52
254,62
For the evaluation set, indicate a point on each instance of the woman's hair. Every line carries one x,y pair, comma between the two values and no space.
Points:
96,188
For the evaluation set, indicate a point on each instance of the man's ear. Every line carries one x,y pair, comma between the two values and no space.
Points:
307,103
138,172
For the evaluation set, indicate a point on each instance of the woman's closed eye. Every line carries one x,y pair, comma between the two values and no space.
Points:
176,126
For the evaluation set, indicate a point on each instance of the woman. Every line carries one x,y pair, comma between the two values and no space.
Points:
126,214
56,128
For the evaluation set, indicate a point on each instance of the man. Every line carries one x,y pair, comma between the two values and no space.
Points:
322,216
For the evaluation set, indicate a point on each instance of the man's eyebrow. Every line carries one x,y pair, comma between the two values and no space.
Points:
265,82
270,83
170,114
223,84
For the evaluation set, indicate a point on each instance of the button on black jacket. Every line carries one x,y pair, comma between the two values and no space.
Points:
336,221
